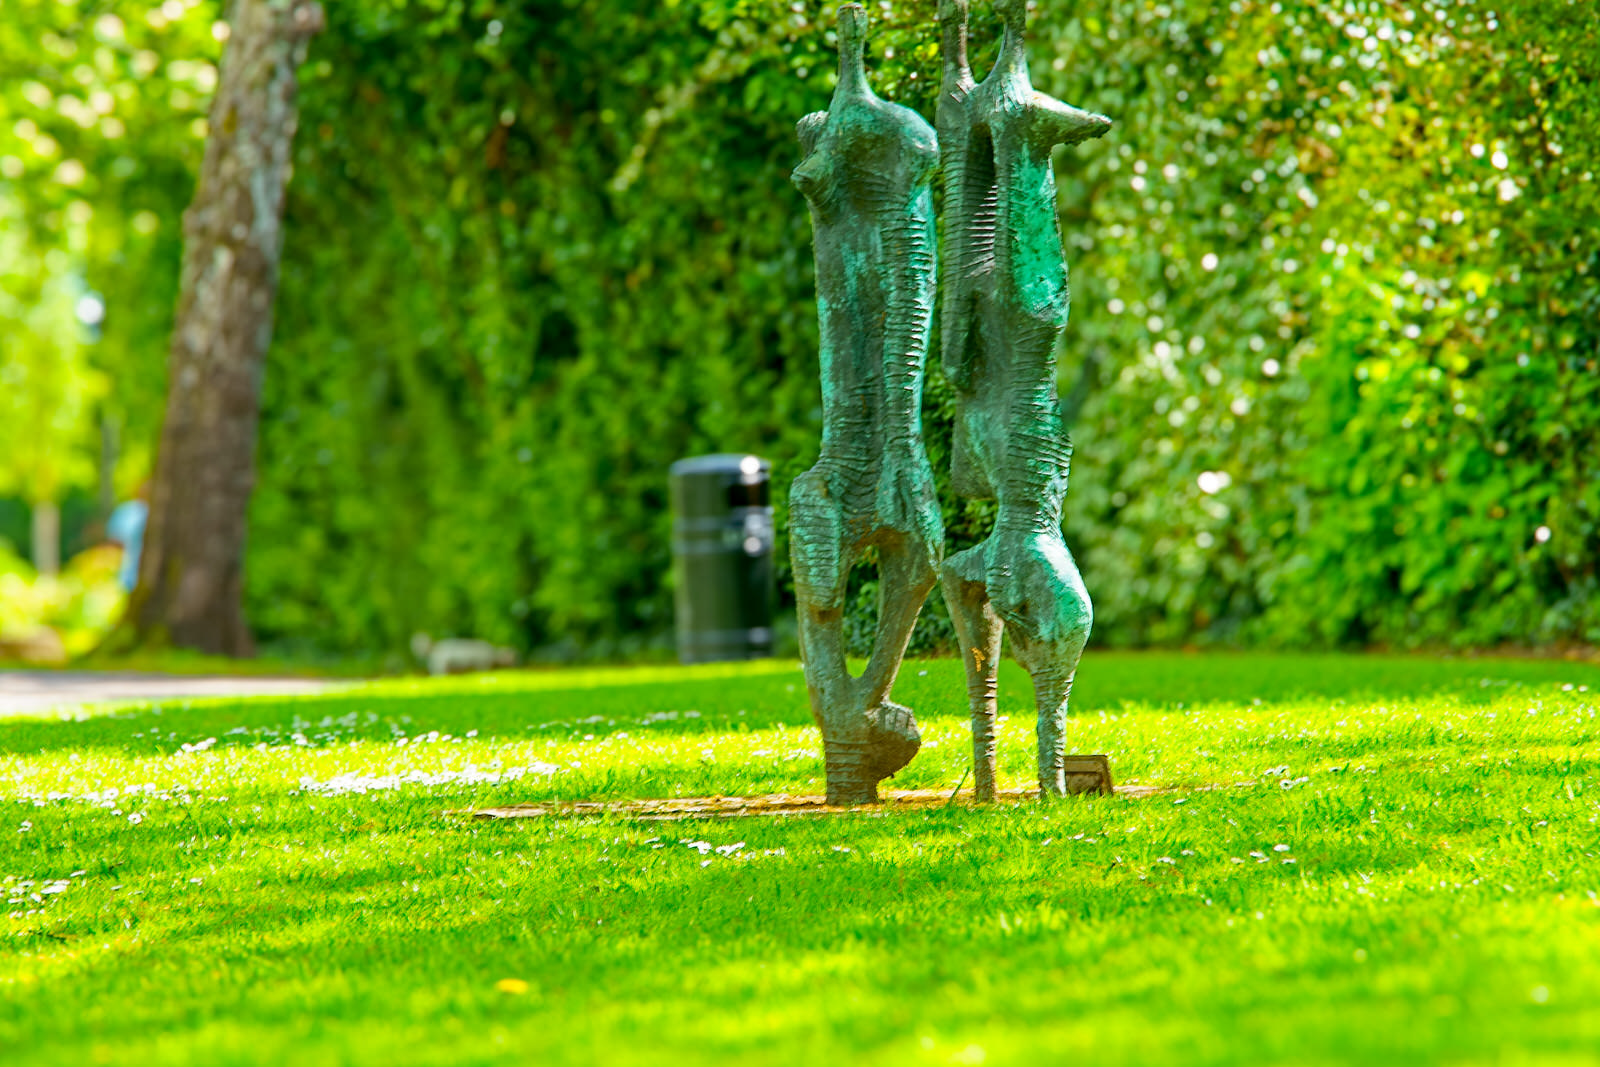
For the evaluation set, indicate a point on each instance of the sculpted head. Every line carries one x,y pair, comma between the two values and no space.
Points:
852,20
852,35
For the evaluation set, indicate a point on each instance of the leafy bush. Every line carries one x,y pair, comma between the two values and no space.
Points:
1333,353
52,616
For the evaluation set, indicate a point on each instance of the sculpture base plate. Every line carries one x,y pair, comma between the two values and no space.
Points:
1085,775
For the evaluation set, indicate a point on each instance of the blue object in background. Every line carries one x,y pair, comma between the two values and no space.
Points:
126,527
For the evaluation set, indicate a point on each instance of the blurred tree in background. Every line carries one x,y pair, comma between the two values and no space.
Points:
101,132
1333,348
48,390
190,591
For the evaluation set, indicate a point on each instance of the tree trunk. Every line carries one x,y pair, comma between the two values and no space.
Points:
191,573
47,537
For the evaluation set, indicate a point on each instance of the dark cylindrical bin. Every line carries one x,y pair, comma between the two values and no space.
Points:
722,557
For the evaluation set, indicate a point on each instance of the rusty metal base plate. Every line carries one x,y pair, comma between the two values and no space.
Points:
1085,775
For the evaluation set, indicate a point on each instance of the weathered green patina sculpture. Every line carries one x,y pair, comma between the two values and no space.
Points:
867,175
1004,307
867,172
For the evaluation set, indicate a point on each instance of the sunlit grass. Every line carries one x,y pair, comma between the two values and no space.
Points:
1399,865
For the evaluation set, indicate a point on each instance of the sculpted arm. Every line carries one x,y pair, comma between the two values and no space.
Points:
1051,123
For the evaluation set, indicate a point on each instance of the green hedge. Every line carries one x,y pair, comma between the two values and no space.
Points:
539,251
1339,259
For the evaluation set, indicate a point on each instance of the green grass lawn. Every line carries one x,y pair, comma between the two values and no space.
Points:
1402,870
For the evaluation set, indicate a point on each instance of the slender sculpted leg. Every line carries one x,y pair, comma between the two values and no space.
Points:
822,559
978,630
1048,630
907,571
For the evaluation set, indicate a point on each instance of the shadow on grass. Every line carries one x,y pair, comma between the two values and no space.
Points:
859,868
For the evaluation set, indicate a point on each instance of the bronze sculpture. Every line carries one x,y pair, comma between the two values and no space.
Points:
1004,307
1004,292
867,175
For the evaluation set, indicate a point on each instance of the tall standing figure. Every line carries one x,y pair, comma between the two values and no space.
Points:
1005,306
867,176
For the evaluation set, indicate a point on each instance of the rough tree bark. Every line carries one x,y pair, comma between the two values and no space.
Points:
191,571
47,537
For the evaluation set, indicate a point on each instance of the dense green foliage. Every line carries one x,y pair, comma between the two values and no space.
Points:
1333,351
1400,870
102,111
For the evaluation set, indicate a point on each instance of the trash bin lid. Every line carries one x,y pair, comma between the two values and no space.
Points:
723,463
712,485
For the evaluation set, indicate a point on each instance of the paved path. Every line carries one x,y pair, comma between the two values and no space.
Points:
40,690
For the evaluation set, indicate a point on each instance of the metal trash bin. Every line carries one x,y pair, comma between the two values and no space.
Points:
722,538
